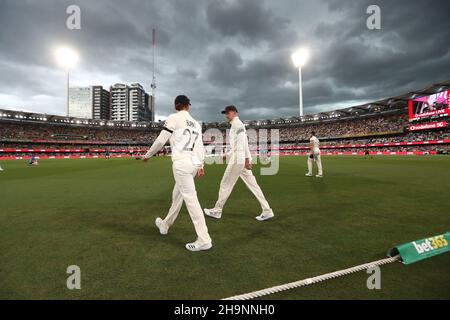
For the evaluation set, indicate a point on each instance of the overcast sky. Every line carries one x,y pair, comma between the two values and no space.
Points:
221,52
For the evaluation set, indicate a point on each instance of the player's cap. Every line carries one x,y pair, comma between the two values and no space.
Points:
183,100
229,109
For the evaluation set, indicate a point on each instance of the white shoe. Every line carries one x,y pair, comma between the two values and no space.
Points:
196,246
213,213
1,169
162,226
265,216
308,175
319,176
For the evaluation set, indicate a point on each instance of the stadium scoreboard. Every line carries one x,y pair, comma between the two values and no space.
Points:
430,106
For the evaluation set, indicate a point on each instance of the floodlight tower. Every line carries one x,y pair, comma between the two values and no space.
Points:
300,59
67,58
153,85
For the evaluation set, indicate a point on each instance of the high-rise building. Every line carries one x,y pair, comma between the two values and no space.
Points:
138,109
130,103
81,102
119,102
151,106
89,103
102,103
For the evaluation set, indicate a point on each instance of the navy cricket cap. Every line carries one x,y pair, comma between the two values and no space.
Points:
229,109
183,100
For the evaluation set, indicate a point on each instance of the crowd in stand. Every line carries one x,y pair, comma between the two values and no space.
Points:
34,131
79,145
47,131
358,127
406,137
363,131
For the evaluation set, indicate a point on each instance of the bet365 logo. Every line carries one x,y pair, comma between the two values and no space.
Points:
431,244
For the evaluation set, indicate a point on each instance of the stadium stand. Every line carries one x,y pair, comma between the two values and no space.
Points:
379,133
380,127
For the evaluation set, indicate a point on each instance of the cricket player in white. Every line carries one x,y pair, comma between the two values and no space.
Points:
314,145
188,154
239,165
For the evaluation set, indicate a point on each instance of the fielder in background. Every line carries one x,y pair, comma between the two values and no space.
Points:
188,154
314,146
239,165
33,161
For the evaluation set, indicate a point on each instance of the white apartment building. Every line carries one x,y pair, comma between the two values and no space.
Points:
89,102
130,103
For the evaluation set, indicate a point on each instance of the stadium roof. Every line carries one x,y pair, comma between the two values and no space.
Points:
22,116
376,107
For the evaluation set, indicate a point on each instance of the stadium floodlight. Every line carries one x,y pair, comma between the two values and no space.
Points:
300,59
67,58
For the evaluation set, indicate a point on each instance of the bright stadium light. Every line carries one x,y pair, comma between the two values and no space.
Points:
300,59
67,59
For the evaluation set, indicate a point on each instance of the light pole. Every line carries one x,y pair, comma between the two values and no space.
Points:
67,92
300,58
67,58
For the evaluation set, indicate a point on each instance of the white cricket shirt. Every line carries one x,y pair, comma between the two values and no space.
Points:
186,140
316,143
239,149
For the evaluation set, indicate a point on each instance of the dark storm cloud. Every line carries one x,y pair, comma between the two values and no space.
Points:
226,51
224,67
411,50
251,20
187,73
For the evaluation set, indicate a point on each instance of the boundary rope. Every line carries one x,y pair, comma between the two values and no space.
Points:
309,281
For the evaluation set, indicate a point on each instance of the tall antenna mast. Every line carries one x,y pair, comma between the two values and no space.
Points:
153,85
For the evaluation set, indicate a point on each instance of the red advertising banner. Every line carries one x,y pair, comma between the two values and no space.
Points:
282,154
61,157
9,150
372,145
428,126
401,153
347,146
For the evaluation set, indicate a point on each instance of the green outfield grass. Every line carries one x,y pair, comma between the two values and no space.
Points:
99,215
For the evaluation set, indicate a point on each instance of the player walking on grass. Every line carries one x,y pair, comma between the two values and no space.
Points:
188,154
314,146
239,165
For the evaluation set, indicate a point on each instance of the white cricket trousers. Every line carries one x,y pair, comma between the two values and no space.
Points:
232,174
318,162
184,173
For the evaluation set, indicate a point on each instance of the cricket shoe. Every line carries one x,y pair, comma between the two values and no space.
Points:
308,175
197,246
1,169
265,216
319,176
162,226
213,213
